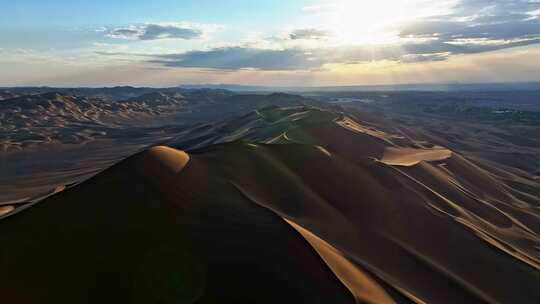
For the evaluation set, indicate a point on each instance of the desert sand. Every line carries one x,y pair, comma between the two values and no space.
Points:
5,210
340,212
410,157
361,285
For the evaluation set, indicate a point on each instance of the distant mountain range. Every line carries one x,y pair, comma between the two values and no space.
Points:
401,87
56,117
33,116
109,93
128,92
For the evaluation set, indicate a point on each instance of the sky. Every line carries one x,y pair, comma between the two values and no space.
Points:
276,43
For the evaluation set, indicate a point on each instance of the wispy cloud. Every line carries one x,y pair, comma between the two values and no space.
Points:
151,31
483,23
309,33
407,58
233,58
125,33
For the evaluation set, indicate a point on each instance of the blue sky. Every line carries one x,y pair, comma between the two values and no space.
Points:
319,42
40,24
32,13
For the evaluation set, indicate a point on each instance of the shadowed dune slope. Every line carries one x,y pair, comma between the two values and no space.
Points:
148,231
335,211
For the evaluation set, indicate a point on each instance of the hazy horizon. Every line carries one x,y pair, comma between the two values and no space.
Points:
426,86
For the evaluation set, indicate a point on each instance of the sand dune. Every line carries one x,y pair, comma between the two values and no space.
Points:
410,157
361,285
6,210
369,217
165,160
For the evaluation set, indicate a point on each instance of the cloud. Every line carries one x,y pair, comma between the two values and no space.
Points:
407,58
289,59
234,58
155,31
481,24
113,53
100,29
126,33
308,33
244,57
186,31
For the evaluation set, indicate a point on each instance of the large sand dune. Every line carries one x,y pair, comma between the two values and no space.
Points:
339,212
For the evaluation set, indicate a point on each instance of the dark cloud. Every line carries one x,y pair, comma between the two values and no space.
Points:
232,58
483,22
157,31
313,34
504,8
125,32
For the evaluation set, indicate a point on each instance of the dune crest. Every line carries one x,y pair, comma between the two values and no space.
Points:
4,210
165,162
409,156
359,283
352,125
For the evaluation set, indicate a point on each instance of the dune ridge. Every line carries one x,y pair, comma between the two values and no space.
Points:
167,159
6,210
410,156
360,284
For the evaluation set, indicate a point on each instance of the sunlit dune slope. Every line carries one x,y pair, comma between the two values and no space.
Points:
282,205
410,157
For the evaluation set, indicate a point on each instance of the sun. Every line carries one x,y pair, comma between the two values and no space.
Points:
378,21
